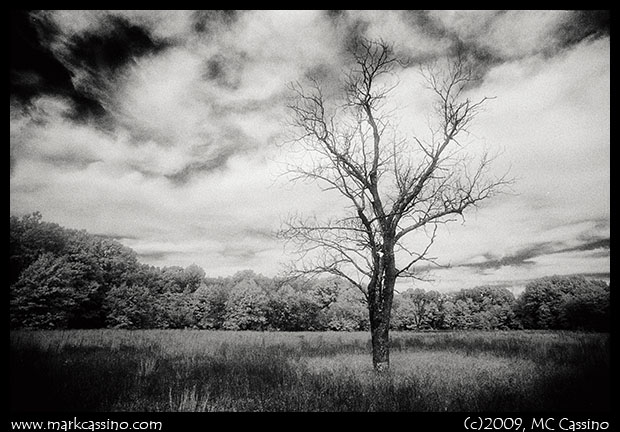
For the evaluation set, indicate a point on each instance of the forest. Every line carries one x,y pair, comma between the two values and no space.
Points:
64,278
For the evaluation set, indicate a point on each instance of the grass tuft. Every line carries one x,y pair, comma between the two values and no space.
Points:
188,370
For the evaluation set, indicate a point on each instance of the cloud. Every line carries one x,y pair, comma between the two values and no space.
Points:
584,24
527,256
513,34
207,94
159,127
522,257
562,163
93,46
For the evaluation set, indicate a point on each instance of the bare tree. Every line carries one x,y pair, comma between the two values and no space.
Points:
393,186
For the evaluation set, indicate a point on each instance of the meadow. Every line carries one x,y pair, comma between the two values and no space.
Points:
198,370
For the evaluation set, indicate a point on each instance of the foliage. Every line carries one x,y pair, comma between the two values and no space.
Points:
62,278
565,302
178,310
348,312
246,308
485,308
417,309
29,239
132,307
211,300
291,310
53,292
182,280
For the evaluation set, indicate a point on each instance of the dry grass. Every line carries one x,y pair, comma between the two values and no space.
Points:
192,370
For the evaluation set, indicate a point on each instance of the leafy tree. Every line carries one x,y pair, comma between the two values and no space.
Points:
325,291
490,307
71,279
457,313
177,279
147,276
133,307
171,279
30,237
290,310
113,261
178,310
246,307
193,278
540,304
90,265
589,308
418,309
564,302
309,314
348,312
54,292
211,301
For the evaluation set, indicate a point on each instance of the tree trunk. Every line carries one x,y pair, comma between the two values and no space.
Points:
380,309
379,330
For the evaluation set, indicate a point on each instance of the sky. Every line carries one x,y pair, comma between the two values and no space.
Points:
164,131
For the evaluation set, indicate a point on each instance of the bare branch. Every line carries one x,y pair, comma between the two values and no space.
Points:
392,186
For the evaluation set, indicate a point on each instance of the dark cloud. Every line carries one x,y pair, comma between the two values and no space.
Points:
525,256
479,57
602,243
424,22
335,14
192,169
522,257
97,56
83,69
584,24
225,69
258,233
154,255
430,26
204,21
34,70
601,223
243,253
580,25
232,142
32,67
215,162
354,29
71,160
112,45
115,236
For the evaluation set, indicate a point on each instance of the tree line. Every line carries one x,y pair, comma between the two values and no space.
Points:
63,278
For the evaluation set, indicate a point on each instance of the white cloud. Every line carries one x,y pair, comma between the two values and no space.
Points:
395,26
550,117
162,96
507,34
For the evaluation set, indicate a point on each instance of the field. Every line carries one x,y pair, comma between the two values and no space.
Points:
194,370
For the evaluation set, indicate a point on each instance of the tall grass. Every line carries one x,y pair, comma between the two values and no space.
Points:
187,370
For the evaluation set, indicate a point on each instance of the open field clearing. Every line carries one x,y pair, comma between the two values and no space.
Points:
193,370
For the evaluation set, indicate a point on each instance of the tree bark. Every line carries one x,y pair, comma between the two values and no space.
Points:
379,330
380,310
